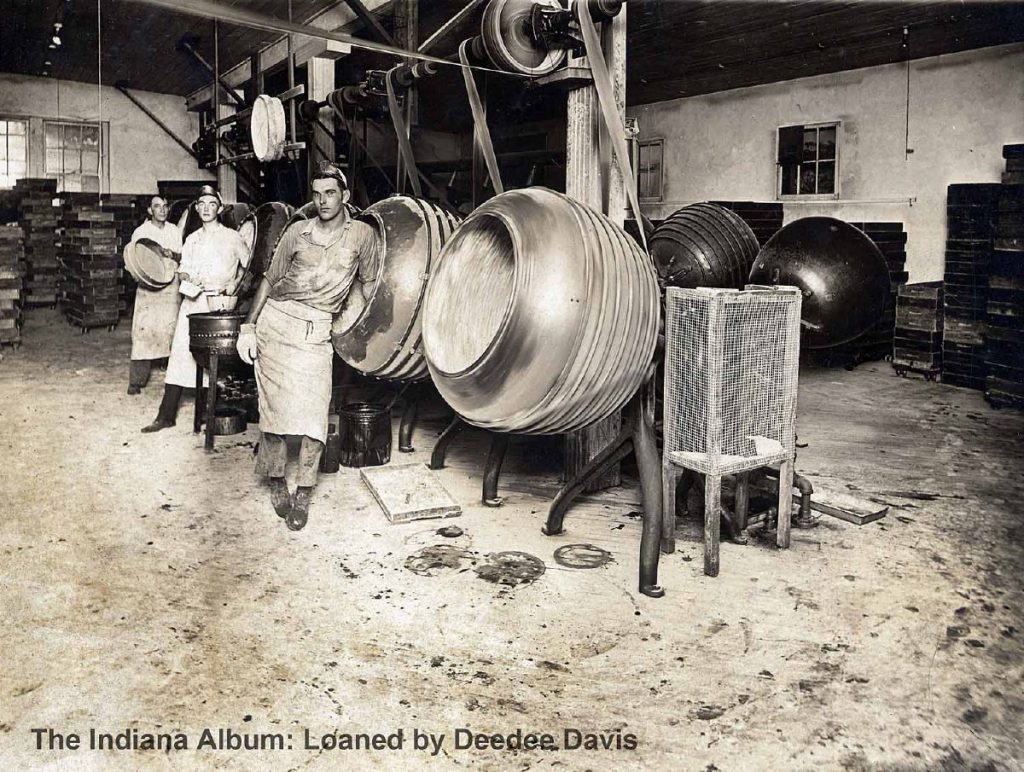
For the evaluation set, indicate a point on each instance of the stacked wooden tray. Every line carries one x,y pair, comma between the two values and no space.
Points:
917,346
129,210
91,292
1004,335
970,230
39,223
1014,155
765,219
12,271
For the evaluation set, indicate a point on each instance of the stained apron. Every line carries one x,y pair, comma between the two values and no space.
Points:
153,321
181,366
293,369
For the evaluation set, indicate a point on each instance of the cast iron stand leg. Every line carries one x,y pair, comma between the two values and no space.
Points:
616,450
495,458
211,400
197,419
441,446
645,447
741,510
407,426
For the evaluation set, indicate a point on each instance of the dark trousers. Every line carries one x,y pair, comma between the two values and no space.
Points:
168,411
273,456
138,372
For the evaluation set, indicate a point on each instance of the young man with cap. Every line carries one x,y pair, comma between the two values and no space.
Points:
209,275
317,265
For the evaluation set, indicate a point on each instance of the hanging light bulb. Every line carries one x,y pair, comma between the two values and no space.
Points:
56,40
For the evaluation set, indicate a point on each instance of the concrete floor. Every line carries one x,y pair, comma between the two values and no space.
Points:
149,586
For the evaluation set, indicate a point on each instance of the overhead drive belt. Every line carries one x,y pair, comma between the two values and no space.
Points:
609,111
481,132
402,130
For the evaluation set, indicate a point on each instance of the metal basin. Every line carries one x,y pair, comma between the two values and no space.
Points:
215,332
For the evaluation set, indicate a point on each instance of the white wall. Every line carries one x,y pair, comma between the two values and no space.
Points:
963,108
140,152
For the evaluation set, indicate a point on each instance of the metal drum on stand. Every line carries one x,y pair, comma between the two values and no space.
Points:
542,317
384,341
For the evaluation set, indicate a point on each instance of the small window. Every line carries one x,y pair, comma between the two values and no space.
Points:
73,155
13,152
649,169
808,160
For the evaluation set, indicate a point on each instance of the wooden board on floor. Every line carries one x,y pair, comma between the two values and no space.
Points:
852,509
409,492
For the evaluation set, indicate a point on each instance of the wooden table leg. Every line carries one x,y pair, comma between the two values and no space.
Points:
785,502
197,418
712,522
211,400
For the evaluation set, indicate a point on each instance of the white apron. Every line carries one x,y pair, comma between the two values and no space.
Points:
153,321
293,369
181,366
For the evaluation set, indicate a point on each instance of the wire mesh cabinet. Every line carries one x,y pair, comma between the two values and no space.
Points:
731,370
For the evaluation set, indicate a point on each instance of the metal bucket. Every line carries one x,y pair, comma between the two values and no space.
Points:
364,432
704,245
385,339
542,317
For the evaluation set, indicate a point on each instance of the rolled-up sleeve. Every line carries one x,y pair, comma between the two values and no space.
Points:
283,254
367,249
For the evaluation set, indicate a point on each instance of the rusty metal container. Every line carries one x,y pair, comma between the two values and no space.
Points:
842,275
385,339
704,245
215,331
542,317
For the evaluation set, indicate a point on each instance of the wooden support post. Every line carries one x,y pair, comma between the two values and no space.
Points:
585,182
227,177
406,19
320,83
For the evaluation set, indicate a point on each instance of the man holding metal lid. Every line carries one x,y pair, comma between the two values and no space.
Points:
208,276
156,310
321,267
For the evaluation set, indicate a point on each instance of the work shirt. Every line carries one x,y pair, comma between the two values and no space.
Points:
320,276
211,256
168,236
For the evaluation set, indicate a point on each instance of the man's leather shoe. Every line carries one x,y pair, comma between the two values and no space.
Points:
134,390
280,497
157,425
299,514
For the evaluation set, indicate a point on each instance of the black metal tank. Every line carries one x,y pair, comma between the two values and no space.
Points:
843,277
703,245
215,331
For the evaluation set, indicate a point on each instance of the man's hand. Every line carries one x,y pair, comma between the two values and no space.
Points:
170,255
246,344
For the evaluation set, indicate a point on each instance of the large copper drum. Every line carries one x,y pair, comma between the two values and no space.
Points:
262,230
385,339
843,277
542,317
704,245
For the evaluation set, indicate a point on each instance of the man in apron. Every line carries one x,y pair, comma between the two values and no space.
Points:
156,311
209,274
287,334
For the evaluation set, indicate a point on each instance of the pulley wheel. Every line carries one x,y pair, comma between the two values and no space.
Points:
508,38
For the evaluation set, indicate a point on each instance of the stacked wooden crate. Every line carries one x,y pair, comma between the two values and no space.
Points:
12,270
91,263
765,219
891,240
39,223
1004,335
970,225
918,342
129,212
